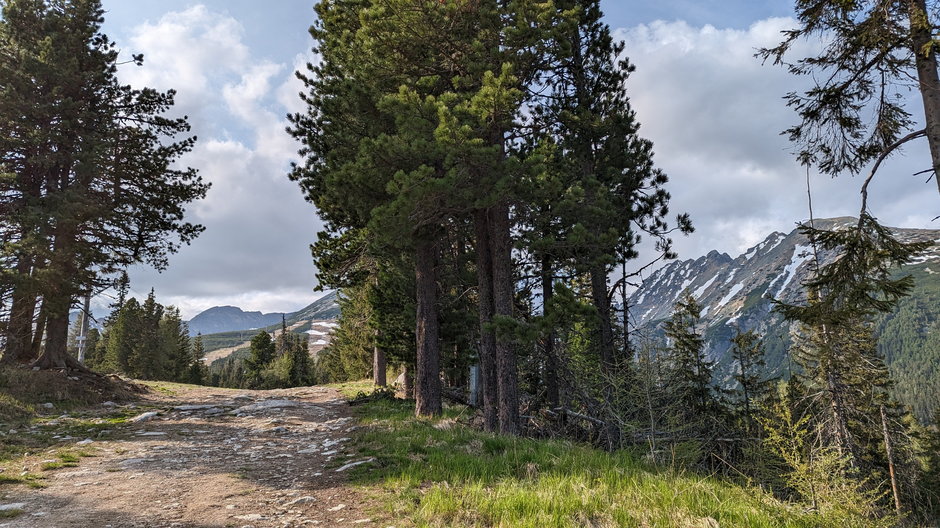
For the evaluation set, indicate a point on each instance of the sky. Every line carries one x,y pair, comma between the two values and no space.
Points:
712,110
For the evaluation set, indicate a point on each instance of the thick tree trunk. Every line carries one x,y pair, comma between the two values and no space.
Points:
927,78
40,332
408,382
379,365
427,331
605,347
551,364
19,331
503,289
57,300
484,262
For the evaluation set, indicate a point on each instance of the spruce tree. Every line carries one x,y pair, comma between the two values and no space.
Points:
690,372
198,372
262,353
96,193
855,112
747,351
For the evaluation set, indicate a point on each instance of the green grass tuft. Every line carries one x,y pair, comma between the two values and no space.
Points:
441,473
10,514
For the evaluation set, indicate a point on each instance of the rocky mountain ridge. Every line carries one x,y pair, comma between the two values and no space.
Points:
732,288
220,319
735,294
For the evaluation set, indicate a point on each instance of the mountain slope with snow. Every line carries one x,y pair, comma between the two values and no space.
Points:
735,294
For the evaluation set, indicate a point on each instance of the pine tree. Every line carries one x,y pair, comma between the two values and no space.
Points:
845,376
855,112
93,197
262,353
175,346
198,372
747,351
691,372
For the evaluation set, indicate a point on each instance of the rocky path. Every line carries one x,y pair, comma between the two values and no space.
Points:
208,457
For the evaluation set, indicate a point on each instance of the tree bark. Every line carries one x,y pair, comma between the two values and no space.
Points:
927,78
58,295
408,385
40,332
427,331
503,289
19,331
484,262
551,364
889,451
379,365
605,347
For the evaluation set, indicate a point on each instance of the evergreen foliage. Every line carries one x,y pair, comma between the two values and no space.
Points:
90,181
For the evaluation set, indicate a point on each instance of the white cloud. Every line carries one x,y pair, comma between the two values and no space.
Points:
715,114
254,252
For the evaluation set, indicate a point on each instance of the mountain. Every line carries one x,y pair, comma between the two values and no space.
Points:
735,294
221,319
229,318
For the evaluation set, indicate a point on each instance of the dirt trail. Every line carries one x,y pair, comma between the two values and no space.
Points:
212,458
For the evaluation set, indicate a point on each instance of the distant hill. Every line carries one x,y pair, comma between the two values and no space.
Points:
220,319
734,294
316,320
230,318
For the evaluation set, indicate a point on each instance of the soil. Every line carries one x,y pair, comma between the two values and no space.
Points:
210,458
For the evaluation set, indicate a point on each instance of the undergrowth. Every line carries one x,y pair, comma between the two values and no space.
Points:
441,473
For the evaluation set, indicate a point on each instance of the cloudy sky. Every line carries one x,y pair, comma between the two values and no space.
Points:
712,110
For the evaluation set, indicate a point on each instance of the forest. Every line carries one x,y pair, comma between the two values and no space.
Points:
489,202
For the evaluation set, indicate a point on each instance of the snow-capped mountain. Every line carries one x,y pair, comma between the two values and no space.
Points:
733,288
735,294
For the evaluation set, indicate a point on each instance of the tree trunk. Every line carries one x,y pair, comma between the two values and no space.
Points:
889,451
551,364
428,378
408,384
57,301
502,307
39,334
378,364
19,331
605,347
484,262
927,78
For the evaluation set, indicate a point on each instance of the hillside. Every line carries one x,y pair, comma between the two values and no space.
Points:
230,318
316,320
735,294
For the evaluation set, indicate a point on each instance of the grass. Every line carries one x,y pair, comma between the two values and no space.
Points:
10,514
29,479
441,473
351,389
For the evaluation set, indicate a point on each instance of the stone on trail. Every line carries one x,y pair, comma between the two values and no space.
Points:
193,407
265,405
354,464
145,417
301,500
12,506
85,442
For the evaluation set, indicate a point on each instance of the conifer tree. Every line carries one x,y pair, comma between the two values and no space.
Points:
262,353
692,371
88,199
855,112
747,351
198,373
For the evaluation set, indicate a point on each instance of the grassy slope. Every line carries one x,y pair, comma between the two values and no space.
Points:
441,473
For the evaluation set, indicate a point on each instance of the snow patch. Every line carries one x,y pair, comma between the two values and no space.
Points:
731,276
734,291
801,254
701,289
